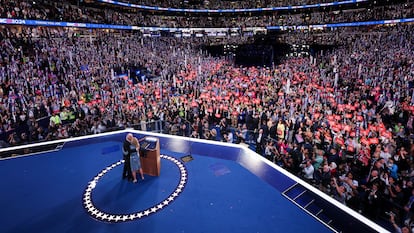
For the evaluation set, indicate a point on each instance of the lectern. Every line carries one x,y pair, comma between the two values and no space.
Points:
150,156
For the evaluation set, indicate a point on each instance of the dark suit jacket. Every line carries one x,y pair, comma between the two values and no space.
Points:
126,149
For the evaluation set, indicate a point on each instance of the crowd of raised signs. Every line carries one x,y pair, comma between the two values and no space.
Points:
347,110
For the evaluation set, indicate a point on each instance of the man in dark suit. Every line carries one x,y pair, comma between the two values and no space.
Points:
260,142
126,150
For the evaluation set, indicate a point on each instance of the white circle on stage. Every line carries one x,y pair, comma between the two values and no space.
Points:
109,217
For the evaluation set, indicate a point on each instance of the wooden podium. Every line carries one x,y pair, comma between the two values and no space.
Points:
150,156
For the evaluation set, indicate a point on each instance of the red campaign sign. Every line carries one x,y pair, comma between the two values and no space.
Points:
373,141
363,141
347,128
340,141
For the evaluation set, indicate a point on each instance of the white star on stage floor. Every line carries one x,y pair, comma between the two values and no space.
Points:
95,212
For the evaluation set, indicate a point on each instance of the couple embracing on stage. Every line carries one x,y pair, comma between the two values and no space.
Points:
131,152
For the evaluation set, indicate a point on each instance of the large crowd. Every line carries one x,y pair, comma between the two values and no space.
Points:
341,119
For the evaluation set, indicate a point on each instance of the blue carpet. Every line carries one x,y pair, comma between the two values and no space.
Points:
111,149
43,193
219,169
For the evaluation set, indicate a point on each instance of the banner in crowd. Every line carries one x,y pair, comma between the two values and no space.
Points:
29,22
336,25
205,31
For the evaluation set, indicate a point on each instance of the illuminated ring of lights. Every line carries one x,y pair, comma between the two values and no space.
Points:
107,217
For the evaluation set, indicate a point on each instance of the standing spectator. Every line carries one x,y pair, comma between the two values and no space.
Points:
260,142
307,170
373,201
398,229
229,136
339,191
280,129
392,168
323,178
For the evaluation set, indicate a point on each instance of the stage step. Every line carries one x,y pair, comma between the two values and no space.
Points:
300,196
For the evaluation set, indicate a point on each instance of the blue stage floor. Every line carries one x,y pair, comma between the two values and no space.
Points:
50,192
